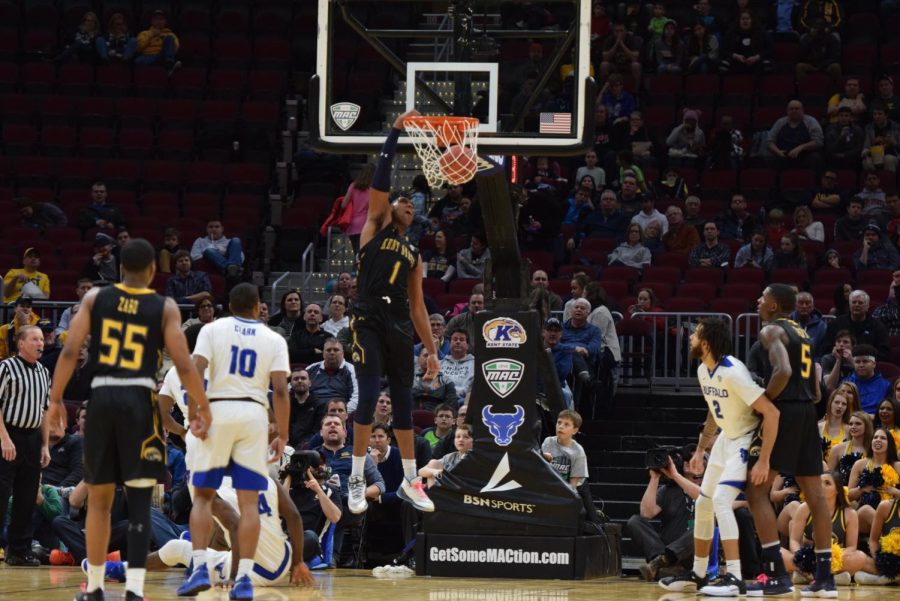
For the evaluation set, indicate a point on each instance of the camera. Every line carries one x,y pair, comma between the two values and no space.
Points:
300,462
658,458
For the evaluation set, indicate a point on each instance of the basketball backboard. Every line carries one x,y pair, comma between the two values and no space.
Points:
522,68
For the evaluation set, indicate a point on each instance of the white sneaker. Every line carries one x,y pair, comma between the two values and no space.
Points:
842,579
414,492
800,578
871,579
357,489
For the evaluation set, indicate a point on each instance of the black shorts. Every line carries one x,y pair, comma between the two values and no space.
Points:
382,344
123,436
798,448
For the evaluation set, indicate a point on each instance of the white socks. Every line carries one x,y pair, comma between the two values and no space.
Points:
95,576
199,557
733,567
134,580
245,566
700,565
409,469
358,466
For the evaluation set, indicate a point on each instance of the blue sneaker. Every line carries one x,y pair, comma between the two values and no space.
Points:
318,563
115,570
242,589
186,535
825,589
774,586
195,583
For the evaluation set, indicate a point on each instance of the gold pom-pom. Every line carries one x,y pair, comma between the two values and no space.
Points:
837,558
890,543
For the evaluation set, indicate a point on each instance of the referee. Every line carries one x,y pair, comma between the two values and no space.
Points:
24,393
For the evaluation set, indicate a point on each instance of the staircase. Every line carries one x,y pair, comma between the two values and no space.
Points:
615,447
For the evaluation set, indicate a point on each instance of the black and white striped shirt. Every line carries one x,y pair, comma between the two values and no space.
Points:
24,392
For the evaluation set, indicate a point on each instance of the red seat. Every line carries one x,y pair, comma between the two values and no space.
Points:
683,304
597,244
58,140
163,175
731,306
745,275
672,259
248,177
138,111
749,291
870,278
113,80
833,277
663,89
176,144
194,18
123,173
75,79
204,177
698,290
200,206
136,143
189,82
57,110
710,275
662,290
738,89
271,52
177,113
620,273
228,83
615,289
798,277
19,139
540,259
433,287
151,83
266,85
462,286
97,112
655,273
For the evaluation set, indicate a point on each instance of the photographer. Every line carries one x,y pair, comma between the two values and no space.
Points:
307,478
673,503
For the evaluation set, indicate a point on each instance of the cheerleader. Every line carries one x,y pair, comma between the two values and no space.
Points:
833,427
884,545
846,559
845,455
874,478
886,417
785,495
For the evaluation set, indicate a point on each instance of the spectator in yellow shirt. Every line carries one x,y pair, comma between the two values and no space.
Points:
27,280
24,316
158,45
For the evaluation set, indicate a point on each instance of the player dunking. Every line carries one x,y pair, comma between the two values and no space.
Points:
243,355
390,296
732,397
794,387
123,443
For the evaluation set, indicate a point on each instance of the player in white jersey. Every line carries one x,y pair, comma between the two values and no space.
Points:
242,355
734,400
172,393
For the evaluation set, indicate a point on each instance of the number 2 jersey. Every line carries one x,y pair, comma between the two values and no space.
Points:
241,355
729,390
127,332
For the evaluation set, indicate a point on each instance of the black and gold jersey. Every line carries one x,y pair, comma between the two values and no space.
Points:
384,265
126,332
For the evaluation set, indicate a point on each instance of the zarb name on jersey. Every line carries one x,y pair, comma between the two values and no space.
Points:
392,244
128,305
716,392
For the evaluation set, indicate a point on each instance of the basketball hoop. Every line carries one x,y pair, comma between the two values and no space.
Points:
447,146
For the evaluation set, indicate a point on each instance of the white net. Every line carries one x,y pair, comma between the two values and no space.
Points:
448,148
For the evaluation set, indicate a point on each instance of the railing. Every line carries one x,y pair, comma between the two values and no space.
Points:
53,310
746,330
275,301
308,263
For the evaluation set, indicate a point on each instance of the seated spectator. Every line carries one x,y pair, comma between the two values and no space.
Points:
852,225
523,93
26,280
819,52
827,197
82,48
671,544
832,259
632,136
746,48
653,239
621,54
52,346
811,320
710,252
579,206
726,145
658,21
40,215
755,254
337,317
829,12
875,253
540,219
22,316
470,261
863,328
584,337
100,213
166,254
737,223
887,98
647,302
702,49
539,279
592,168
564,453
872,196
632,252
790,254
306,343
438,327
462,441
465,319
649,214
563,355
440,262
837,365
447,209
66,465
632,191
333,377
692,215
686,142
619,102
852,98
668,50
880,149
804,226
187,286
607,221
671,186
225,254
679,236
307,411
889,312
458,367
205,309
873,387
118,45
158,45
892,230
103,267
444,420
796,139
81,288
844,141
291,309
434,393
775,228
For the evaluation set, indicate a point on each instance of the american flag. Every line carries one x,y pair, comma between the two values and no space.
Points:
556,123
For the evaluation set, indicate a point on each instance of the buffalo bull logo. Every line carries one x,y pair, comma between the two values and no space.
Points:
503,426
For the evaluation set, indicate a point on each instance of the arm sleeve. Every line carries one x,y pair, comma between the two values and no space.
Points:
741,382
354,395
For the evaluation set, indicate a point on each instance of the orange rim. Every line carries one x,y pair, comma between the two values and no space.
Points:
439,123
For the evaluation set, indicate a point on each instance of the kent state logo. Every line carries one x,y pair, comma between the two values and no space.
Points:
503,375
503,426
503,332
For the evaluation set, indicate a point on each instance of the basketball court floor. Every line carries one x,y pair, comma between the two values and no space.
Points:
58,584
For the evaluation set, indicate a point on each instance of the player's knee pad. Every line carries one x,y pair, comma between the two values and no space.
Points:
723,501
704,518
369,388
401,407
176,552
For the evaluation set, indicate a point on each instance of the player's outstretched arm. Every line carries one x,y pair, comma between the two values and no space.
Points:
165,407
176,344
770,416
286,509
772,341
419,315
79,328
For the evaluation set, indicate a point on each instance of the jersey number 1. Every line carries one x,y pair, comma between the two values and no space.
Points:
394,273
